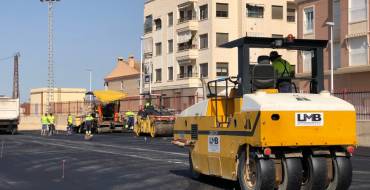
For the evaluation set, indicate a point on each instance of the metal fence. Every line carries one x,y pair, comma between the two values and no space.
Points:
176,104
361,101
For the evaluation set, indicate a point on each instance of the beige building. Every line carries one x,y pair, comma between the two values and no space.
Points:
39,98
181,39
350,40
125,77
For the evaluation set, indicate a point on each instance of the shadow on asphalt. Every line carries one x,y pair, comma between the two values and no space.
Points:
210,180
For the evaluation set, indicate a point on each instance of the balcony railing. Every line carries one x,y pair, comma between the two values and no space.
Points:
186,47
187,75
187,19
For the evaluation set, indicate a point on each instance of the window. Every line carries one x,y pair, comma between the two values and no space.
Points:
170,19
148,24
158,24
170,73
290,12
222,10
190,71
221,38
203,70
222,69
203,12
357,51
277,36
357,10
277,12
255,11
308,20
158,49
307,58
203,41
122,85
170,46
182,72
158,75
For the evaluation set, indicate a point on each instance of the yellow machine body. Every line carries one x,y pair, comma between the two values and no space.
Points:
154,126
216,135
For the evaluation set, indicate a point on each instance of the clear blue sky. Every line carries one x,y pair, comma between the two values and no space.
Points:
88,34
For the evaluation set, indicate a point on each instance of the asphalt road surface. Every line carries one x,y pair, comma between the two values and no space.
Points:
113,161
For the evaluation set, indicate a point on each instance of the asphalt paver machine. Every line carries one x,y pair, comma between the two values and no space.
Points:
104,105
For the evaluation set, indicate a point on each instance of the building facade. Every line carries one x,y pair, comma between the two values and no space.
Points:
39,96
350,40
125,77
182,38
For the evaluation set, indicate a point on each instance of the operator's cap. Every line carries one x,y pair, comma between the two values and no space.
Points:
274,55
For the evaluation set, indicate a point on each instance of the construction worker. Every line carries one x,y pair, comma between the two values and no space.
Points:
69,124
45,123
88,124
130,119
147,104
283,70
51,120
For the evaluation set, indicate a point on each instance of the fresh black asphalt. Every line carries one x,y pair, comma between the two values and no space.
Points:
113,161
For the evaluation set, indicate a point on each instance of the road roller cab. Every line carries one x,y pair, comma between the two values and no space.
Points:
265,139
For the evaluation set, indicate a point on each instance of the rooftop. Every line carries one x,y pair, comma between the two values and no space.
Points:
124,68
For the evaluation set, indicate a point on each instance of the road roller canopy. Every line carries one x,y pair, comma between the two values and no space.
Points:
107,96
290,43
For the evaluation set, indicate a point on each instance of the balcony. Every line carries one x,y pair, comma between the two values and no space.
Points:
188,24
186,52
184,2
182,76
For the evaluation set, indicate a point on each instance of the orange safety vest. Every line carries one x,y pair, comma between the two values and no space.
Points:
116,116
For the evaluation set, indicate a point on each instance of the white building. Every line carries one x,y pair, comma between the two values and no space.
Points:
181,39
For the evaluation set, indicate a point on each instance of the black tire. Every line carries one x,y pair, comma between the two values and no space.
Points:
315,173
342,170
291,174
14,130
194,174
264,173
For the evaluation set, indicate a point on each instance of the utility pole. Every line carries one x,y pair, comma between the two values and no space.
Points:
50,97
16,76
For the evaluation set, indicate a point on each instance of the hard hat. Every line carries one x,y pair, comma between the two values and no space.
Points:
274,55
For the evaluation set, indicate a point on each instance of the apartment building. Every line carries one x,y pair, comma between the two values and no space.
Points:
350,40
124,77
182,38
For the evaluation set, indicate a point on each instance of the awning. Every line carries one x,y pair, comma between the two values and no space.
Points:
184,37
354,35
148,45
107,96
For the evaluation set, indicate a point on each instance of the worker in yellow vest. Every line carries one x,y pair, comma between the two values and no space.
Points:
130,120
88,124
44,123
69,124
51,120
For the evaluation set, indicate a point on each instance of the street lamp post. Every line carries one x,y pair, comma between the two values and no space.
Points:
90,79
331,25
141,69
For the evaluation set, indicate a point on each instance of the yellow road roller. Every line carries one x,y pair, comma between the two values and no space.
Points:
251,133
154,121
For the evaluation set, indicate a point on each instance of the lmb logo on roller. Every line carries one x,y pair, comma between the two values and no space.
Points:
309,119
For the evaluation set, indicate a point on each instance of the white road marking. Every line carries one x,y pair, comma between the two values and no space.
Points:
361,172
